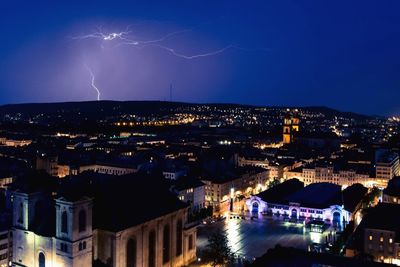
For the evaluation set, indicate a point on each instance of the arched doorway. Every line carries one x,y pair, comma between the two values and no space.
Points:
42,260
294,214
336,217
255,207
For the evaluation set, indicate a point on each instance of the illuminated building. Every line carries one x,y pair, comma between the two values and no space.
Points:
51,233
387,165
96,217
190,190
320,201
14,142
319,173
290,126
253,160
245,181
378,234
112,168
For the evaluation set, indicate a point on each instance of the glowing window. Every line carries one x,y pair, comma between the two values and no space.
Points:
370,238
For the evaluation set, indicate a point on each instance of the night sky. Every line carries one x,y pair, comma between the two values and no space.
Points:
341,54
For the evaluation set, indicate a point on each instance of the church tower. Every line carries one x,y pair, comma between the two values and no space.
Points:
73,240
290,127
287,130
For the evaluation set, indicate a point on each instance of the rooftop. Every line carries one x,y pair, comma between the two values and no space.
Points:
393,188
280,192
318,195
289,257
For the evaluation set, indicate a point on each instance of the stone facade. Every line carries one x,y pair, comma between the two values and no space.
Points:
70,245
164,241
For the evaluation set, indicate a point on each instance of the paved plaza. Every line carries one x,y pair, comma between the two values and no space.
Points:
252,238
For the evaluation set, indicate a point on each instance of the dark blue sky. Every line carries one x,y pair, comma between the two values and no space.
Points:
341,54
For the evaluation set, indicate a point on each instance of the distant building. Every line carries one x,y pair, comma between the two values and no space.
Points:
290,127
257,160
391,194
387,166
15,140
173,169
336,174
191,191
48,163
104,167
219,188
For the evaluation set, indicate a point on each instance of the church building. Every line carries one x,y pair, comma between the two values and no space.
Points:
99,219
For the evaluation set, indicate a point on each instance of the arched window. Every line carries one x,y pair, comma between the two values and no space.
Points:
179,238
82,221
42,260
190,242
64,222
166,244
21,213
152,249
131,253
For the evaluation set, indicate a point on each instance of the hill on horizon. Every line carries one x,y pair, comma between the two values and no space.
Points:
143,107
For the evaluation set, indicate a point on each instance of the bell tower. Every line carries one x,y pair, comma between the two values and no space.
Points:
73,240
286,130
290,126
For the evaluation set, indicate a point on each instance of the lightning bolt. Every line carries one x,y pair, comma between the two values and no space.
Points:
99,34
125,38
173,52
93,81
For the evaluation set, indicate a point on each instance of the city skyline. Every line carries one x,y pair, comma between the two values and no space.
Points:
199,133
343,56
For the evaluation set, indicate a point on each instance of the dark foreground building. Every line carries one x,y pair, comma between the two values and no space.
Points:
290,257
130,220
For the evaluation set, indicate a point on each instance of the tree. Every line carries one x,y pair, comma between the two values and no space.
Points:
218,252
370,199
274,182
